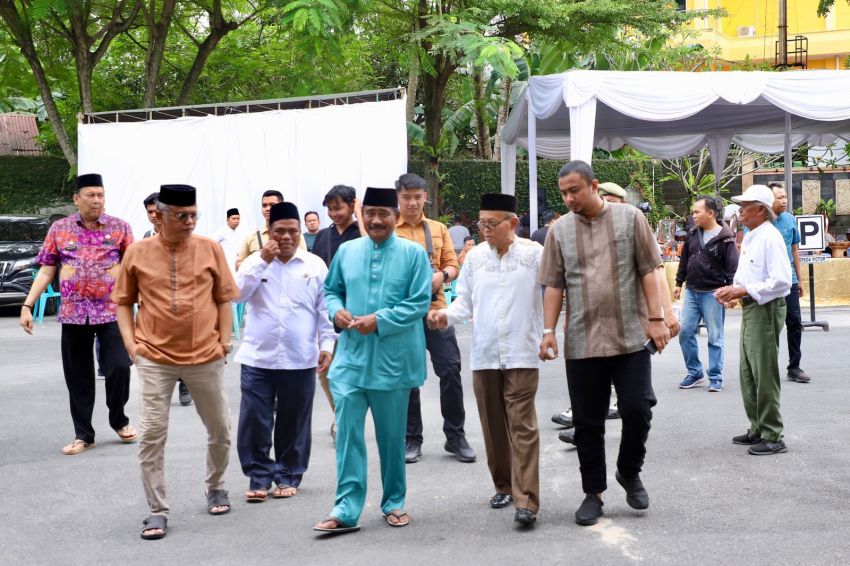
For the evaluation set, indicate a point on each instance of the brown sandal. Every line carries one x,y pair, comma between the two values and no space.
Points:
77,447
278,493
399,514
127,434
256,495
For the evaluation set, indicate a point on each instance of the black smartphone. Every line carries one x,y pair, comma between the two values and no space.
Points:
650,346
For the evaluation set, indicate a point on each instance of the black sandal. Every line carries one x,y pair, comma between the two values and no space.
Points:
155,522
217,498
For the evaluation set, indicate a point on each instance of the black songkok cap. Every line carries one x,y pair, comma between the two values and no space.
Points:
89,180
177,195
498,201
380,197
283,211
232,212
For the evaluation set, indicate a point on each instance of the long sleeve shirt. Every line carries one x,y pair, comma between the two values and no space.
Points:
763,268
287,320
392,280
503,296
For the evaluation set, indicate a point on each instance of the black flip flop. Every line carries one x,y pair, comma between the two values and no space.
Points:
155,522
339,529
217,498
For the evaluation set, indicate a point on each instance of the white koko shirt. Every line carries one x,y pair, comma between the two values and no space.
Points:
763,266
287,321
502,295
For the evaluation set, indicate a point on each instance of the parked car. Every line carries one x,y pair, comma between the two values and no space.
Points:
20,240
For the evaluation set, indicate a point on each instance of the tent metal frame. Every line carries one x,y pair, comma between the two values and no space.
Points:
247,107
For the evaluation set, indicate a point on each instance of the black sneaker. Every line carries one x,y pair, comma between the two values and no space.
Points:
590,510
746,439
185,396
461,449
568,436
766,447
501,500
524,517
798,375
564,419
636,495
412,451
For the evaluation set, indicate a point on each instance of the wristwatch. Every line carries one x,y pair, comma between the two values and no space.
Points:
445,276
548,331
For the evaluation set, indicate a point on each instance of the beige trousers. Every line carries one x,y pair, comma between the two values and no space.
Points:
509,423
156,385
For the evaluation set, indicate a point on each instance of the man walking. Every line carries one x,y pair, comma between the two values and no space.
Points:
761,283
183,287
283,286
442,344
377,293
87,247
787,226
498,288
228,238
311,221
613,306
708,261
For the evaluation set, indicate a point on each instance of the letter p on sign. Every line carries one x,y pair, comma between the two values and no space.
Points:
812,235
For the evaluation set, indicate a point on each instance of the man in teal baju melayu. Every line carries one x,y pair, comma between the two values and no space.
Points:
377,291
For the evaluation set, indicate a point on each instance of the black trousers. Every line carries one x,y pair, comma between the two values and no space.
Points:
78,364
445,357
589,381
794,324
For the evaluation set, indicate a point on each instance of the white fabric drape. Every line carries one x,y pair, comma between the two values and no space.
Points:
232,159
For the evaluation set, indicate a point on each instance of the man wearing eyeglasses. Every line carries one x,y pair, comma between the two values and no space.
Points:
183,287
441,343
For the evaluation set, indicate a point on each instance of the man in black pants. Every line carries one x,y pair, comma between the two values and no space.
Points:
614,304
441,344
88,246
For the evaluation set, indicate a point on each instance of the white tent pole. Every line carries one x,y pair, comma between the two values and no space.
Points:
788,163
508,156
532,169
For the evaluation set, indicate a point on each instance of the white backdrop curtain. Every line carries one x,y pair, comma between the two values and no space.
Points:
232,159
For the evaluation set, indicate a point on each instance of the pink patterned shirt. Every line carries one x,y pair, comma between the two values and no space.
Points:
89,262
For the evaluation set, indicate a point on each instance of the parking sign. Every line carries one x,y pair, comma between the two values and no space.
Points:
812,234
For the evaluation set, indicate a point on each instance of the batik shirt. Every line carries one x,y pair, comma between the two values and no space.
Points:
89,263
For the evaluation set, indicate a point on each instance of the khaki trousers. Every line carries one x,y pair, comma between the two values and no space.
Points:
509,423
156,385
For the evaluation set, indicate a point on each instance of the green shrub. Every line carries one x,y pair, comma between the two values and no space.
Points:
28,183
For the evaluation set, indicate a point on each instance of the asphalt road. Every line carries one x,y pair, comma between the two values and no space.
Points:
711,503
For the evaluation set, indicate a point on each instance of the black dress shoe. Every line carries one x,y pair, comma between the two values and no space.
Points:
524,517
568,436
746,439
766,447
590,510
461,449
636,495
183,393
501,500
564,419
412,451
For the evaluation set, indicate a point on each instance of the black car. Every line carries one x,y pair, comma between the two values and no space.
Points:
20,240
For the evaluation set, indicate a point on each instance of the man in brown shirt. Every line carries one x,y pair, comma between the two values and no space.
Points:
183,287
441,344
604,255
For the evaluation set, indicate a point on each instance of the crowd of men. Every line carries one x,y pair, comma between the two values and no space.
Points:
358,303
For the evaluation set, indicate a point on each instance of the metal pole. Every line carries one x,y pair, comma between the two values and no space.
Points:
783,35
789,163
812,290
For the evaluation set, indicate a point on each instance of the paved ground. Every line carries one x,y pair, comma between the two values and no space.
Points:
711,502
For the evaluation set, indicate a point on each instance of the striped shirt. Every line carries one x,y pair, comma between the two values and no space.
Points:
600,262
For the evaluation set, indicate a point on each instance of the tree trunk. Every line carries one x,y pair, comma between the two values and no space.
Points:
412,85
23,37
485,150
504,108
157,35
434,98
205,49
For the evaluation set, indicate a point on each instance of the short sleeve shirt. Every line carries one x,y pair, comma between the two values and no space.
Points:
600,262
787,226
88,261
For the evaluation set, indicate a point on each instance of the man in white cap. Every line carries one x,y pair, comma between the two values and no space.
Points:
761,282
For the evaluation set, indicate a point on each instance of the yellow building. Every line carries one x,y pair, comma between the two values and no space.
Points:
750,30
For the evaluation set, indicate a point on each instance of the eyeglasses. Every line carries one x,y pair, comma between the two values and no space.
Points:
491,225
185,217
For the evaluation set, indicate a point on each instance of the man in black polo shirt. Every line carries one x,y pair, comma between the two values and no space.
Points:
344,211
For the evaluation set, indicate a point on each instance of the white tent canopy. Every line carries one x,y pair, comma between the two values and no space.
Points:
671,114
233,158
